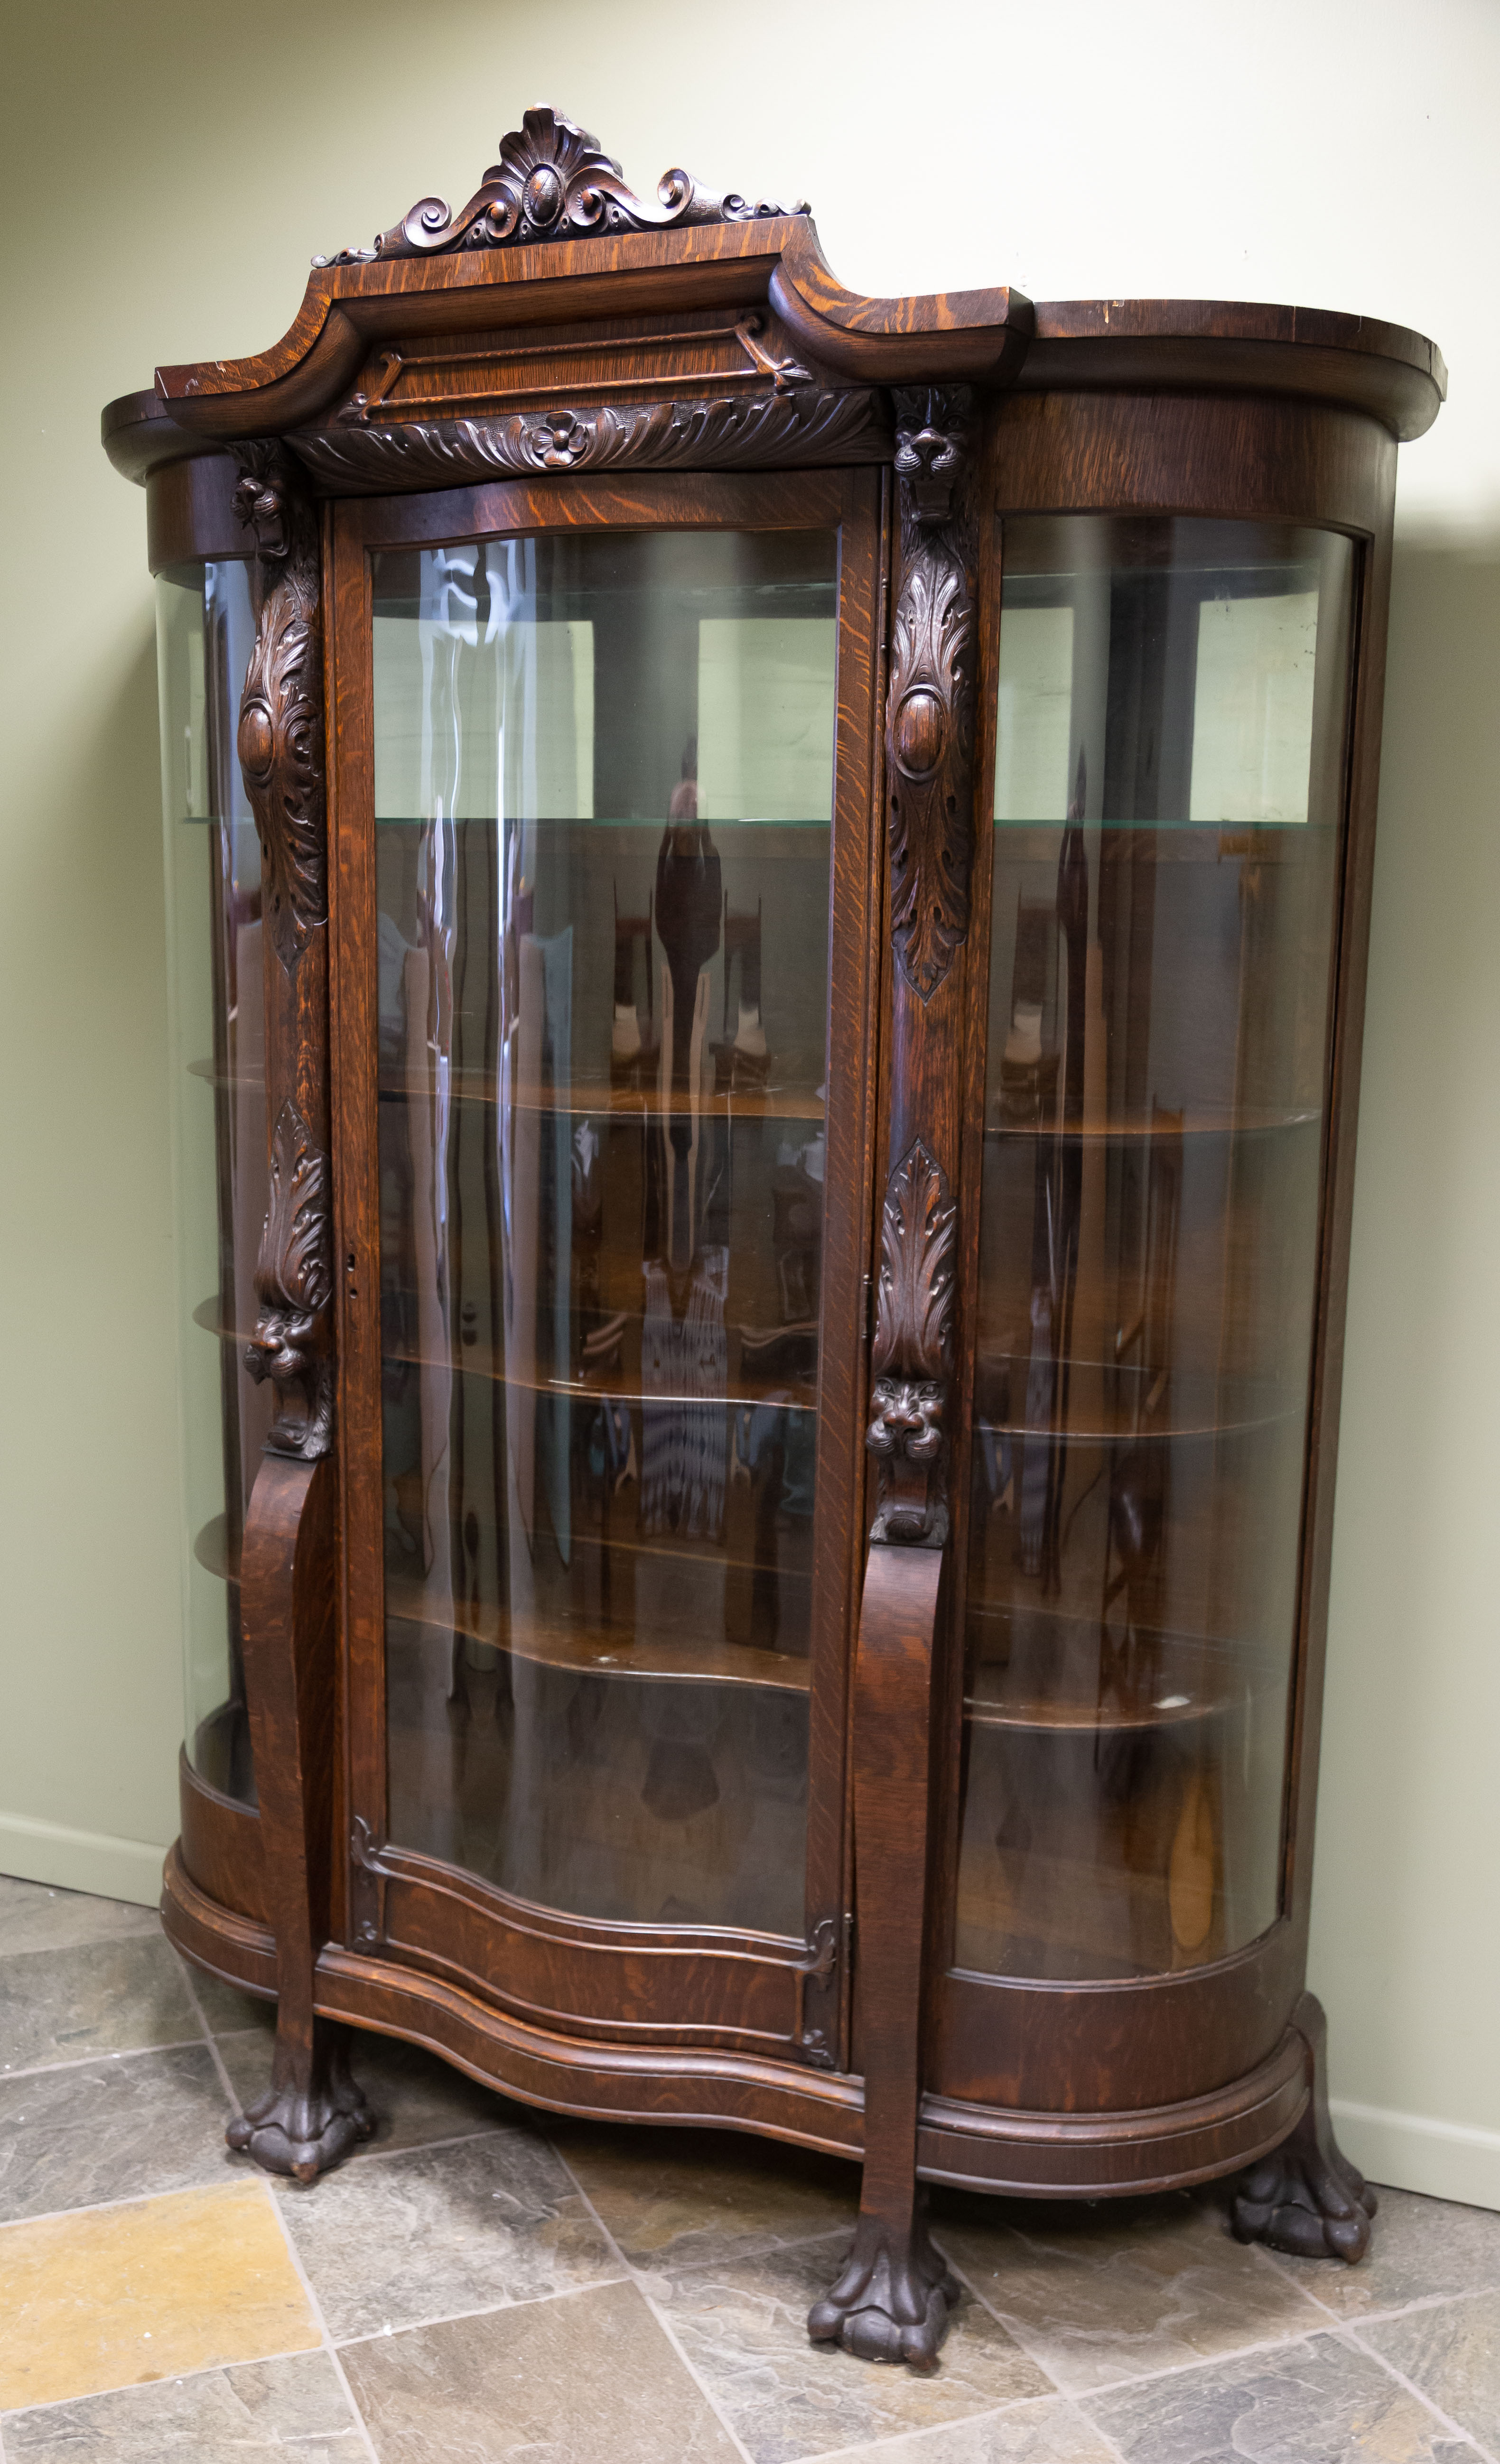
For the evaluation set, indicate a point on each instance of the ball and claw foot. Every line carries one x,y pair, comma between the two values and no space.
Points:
302,2131
891,2302
1306,2199
1305,2196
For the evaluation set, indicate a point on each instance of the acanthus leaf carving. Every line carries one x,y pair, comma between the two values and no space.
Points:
930,702
553,181
734,431
293,1285
912,1359
281,736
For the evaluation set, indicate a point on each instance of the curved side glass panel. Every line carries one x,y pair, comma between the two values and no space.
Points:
604,774
205,628
1172,723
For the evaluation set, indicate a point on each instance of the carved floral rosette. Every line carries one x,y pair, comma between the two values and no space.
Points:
913,1357
735,432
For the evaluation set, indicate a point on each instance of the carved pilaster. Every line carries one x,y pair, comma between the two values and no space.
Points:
280,736
930,706
293,1285
913,1356
280,743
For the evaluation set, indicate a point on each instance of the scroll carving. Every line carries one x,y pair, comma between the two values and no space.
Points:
280,738
804,426
930,706
913,1356
553,181
293,1285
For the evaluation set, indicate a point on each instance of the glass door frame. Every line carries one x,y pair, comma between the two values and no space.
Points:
760,1994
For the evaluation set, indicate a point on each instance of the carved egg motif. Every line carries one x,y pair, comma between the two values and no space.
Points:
542,195
921,726
257,739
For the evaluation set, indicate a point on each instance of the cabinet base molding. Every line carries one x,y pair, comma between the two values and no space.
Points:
977,2148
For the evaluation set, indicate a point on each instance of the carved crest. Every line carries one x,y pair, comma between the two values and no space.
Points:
553,181
730,434
913,1355
293,1285
930,706
280,738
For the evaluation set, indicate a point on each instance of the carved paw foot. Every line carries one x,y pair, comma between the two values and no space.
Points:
302,2131
1305,2196
1307,2200
891,2302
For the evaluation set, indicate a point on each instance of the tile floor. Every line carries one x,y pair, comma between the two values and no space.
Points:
475,2286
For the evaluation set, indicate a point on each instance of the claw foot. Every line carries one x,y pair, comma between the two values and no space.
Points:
302,2129
1305,2196
891,2302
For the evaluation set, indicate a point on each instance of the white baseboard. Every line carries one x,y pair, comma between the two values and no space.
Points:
80,1860
1442,2160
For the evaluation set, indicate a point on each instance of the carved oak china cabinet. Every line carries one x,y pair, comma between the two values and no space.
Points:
768,901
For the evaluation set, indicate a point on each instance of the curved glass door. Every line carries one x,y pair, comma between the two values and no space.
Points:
1172,721
204,629
603,787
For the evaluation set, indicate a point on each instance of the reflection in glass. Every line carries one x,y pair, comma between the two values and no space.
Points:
604,796
205,628
1172,710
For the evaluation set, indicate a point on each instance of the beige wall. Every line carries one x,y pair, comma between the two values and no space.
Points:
167,172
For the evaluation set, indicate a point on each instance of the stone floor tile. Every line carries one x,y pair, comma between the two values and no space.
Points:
1118,2289
227,2010
1322,2402
1451,2353
98,1998
34,1916
249,2414
1419,2248
111,2130
1048,2431
743,2326
415,2094
439,2231
589,2380
689,2198
120,2295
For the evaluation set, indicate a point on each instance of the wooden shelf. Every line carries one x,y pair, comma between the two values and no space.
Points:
600,1651
1192,1679
790,1396
1194,1404
588,1097
1247,1121
211,1549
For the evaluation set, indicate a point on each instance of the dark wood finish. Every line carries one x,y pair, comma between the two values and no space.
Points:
562,355
1306,2197
891,2302
220,1845
312,2112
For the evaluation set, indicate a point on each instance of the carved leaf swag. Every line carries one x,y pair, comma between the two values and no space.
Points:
280,738
930,704
553,181
655,436
293,1285
913,1355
